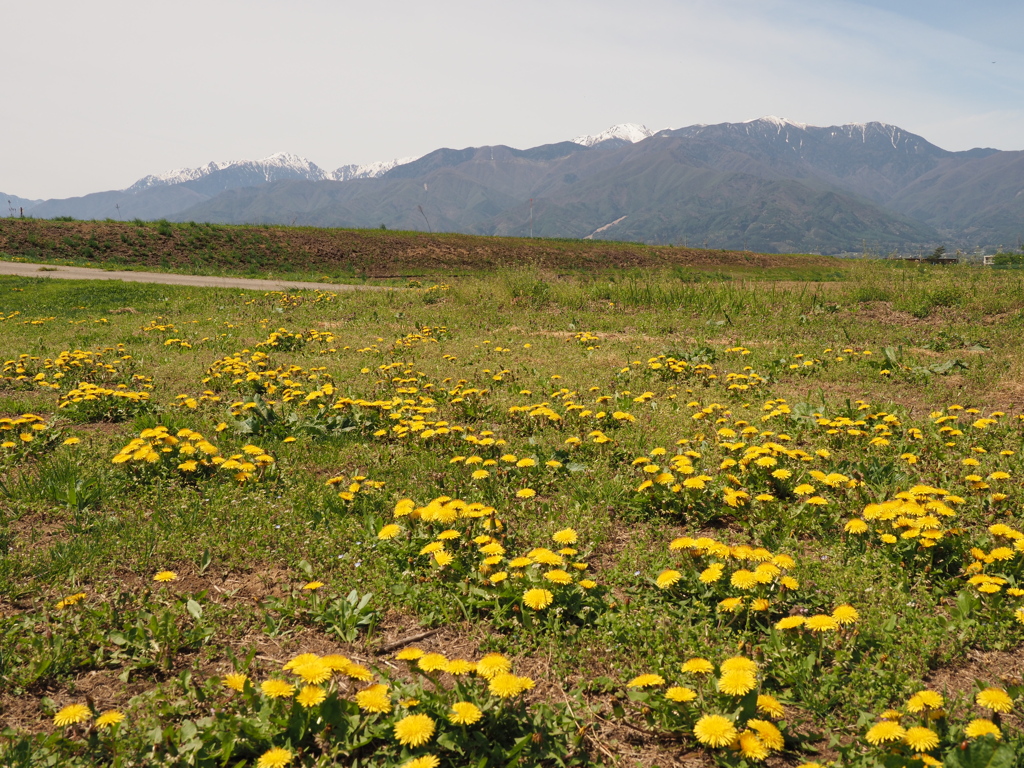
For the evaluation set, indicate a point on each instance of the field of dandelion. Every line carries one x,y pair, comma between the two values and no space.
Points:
627,518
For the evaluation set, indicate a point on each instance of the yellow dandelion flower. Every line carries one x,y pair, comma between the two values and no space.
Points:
736,682
558,576
424,761
109,718
751,747
995,699
459,667
925,700
680,694
431,662
821,623
768,733
414,730
715,731
374,699
311,695
313,671
885,731
312,586
492,664
731,604
525,493
711,574
769,705
856,526
538,599
667,578
389,531
71,600
277,689
698,666
71,715
278,757
565,536
544,556
336,662
739,664
235,681
464,713
409,654
744,579
357,672
646,681
443,558
982,727
921,739
506,685
164,576
846,614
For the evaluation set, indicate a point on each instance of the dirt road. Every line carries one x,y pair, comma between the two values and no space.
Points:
23,269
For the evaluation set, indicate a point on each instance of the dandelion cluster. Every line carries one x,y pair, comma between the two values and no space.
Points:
922,728
704,705
189,455
736,579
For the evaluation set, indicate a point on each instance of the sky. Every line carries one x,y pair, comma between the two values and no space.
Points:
99,94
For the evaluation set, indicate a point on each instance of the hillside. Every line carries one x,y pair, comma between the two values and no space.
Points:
370,253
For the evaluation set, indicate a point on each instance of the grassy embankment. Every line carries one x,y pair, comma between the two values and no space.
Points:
622,411
353,256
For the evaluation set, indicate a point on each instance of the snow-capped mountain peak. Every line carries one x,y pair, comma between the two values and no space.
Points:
628,132
292,162
777,122
369,170
178,175
276,166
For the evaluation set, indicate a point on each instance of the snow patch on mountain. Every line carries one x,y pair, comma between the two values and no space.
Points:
369,170
630,132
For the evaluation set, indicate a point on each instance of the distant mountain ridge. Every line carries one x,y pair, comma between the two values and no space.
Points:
276,167
279,166
768,184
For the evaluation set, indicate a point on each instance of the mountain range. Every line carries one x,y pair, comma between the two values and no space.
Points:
769,185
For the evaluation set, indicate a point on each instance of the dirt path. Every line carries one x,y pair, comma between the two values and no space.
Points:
24,269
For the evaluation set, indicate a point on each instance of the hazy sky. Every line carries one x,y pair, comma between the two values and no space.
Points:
97,94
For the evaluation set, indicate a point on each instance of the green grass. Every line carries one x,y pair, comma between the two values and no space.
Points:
891,346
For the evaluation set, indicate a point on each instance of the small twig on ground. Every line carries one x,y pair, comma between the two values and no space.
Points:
396,644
